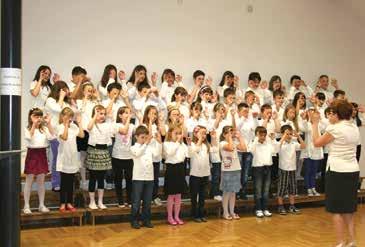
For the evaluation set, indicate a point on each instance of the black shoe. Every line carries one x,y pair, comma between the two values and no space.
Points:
135,225
294,210
198,220
281,210
147,224
203,219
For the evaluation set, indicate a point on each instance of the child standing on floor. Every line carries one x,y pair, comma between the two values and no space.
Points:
37,136
98,159
287,167
68,159
216,166
122,159
199,172
231,169
262,150
175,152
142,185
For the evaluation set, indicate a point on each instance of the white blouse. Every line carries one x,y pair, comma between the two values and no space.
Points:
102,133
287,154
199,160
342,150
39,139
262,152
40,100
123,143
174,152
86,110
142,161
54,109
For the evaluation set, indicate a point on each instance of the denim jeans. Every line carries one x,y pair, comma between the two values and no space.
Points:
311,167
141,190
216,179
245,159
55,176
262,181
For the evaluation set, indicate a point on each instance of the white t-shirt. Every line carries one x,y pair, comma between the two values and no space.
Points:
142,161
102,133
123,143
39,139
342,150
247,127
86,110
199,160
54,109
174,152
287,154
40,100
262,152
230,161
68,159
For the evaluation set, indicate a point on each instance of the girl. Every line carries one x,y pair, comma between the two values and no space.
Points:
178,100
138,75
275,84
41,86
199,172
196,118
219,120
227,81
174,117
98,159
175,152
85,106
68,160
122,160
231,170
156,127
109,76
168,85
37,136
56,101
204,97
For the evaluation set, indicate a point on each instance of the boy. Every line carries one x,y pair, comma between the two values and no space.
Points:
114,102
323,84
246,125
278,106
287,167
262,151
254,80
229,95
142,178
298,85
198,77
78,78
339,94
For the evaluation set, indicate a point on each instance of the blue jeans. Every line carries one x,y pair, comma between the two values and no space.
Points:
310,167
245,159
215,180
141,190
55,176
262,181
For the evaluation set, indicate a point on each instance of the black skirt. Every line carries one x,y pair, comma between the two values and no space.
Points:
341,192
175,182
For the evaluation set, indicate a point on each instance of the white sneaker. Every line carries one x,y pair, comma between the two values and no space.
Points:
27,211
259,214
43,209
218,198
93,206
310,192
157,201
315,193
102,206
121,205
108,186
267,213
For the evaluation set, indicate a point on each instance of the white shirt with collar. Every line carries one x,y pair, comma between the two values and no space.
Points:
287,154
40,100
102,134
247,127
142,161
262,152
40,139
174,152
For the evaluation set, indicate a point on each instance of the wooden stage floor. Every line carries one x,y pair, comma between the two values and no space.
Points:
312,228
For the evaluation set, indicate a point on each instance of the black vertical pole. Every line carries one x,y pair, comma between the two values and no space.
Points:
10,122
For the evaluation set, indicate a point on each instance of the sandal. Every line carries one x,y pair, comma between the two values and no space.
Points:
227,217
235,216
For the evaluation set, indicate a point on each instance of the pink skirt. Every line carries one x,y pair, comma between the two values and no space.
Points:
36,161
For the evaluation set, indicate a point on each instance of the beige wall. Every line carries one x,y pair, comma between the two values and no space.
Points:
282,37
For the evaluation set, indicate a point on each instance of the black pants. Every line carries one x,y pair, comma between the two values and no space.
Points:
323,172
67,188
156,175
198,187
123,168
96,176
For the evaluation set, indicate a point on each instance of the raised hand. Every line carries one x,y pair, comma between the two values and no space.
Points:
47,119
209,81
121,75
264,84
56,77
178,78
63,94
334,83
154,78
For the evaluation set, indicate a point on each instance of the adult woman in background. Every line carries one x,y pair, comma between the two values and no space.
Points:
342,168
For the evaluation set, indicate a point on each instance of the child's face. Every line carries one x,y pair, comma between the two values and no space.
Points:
88,91
170,79
354,112
243,112
124,116
332,117
199,80
228,80
230,99
276,85
267,113
254,83
250,99
301,101
290,115
289,135
228,134
323,83
176,135
296,83
214,98
114,93
180,97
222,111
141,139
78,78
196,112
67,118
206,96
101,115
46,74
320,102
261,137
112,73
174,116
152,115
341,97
36,119
279,100
141,75
200,132
144,92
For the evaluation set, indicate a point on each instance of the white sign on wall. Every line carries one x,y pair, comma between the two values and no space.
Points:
10,81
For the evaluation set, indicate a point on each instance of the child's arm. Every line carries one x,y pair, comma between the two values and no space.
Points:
233,114
81,133
242,144
91,124
170,148
193,93
229,146
124,130
64,135
51,131
138,150
125,98
301,141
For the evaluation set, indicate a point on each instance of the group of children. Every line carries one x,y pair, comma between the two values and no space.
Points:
218,136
